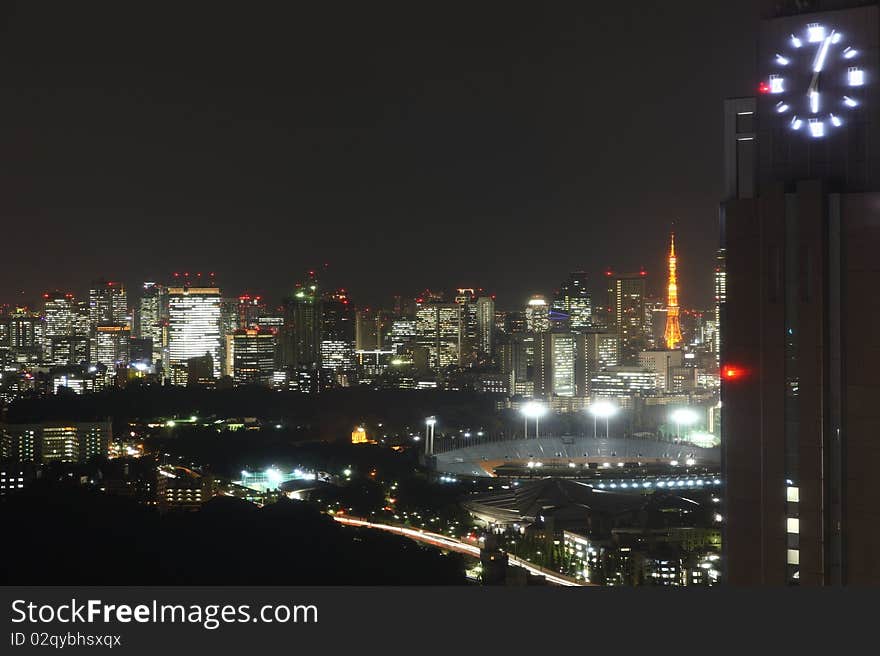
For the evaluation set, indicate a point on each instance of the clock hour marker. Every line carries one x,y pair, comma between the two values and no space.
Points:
796,42
782,61
849,102
796,123
855,76
775,84
849,53
817,127
781,107
835,121
815,32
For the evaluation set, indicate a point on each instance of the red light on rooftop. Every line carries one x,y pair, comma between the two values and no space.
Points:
643,273
732,372
763,87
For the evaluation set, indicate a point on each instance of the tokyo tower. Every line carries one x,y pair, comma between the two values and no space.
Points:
672,334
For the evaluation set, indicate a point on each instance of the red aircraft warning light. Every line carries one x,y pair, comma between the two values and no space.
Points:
763,87
731,372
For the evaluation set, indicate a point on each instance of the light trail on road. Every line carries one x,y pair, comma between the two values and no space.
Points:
459,546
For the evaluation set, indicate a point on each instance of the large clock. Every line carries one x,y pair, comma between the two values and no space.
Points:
816,80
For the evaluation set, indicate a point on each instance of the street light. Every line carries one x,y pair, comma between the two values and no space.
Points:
683,417
602,410
533,410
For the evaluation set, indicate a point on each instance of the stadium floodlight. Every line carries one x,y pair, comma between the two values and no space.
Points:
683,417
533,410
602,409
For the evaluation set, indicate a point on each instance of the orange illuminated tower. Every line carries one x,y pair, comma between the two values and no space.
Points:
672,334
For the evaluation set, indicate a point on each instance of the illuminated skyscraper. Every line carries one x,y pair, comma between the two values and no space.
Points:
486,325
194,325
627,300
152,318
438,330
537,314
108,303
112,344
25,336
672,334
575,300
60,312
466,299
337,332
560,368
253,357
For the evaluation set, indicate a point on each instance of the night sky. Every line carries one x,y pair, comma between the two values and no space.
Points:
407,145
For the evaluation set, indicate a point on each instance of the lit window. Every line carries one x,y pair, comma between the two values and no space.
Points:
855,76
794,557
792,525
792,494
815,32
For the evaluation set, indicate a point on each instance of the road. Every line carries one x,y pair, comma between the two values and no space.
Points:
459,546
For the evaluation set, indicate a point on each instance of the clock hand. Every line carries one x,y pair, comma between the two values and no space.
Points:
818,64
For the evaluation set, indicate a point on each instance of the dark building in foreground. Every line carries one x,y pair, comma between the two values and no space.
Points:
802,313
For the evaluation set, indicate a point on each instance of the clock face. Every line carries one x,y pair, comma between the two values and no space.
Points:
816,81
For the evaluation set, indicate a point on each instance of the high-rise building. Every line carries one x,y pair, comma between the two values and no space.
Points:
438,330
108,303
337,332
25,335
112,344
250,308
627,300
194,325
513,358
575,300
301,335
152,318
799,345
368,330
60,313
672,334
402,335
560,366
466,298
537,314
486,325
253,357
664,362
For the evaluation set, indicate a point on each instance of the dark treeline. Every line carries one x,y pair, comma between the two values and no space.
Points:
67,535
329,415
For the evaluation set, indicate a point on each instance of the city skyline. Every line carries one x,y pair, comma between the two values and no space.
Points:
283,138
